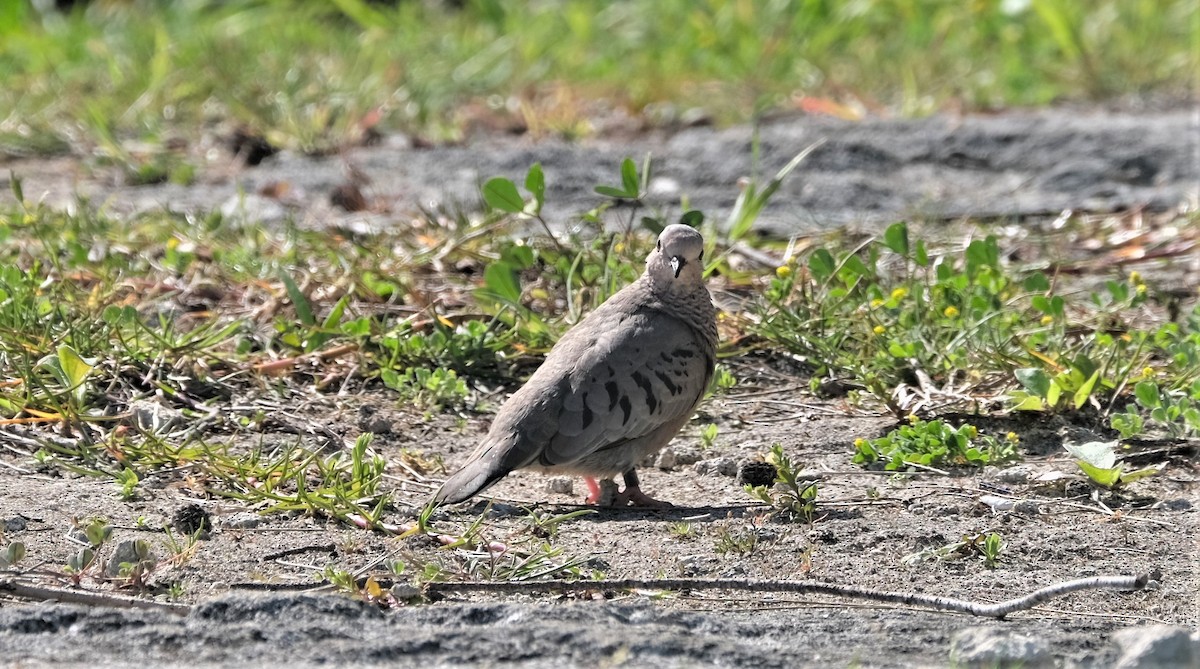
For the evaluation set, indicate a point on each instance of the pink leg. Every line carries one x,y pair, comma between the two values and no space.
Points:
593,490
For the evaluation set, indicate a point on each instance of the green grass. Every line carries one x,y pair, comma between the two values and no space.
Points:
121,81
100,316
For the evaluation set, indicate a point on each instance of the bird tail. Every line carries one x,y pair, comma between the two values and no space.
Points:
485,468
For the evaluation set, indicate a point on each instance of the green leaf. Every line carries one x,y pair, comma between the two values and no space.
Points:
1106,477
1098,454
1085,391
1130,477
1036,283
1029,403
629,177
821,264
1034,380
922,255
75,368
501,281
335,315
609,191
535,183
856,266
692,218
1053,393
896,238
18,192
501,193
303,308
1147,394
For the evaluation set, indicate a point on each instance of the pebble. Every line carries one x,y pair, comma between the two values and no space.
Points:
723,466
127,553
1155,646
562,485
995,647
243,520
1017,474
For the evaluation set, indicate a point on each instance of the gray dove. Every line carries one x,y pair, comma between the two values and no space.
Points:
616,387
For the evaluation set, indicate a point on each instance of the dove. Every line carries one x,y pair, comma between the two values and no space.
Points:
616,387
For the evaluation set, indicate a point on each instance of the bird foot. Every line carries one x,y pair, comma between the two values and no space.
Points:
605,493
632,496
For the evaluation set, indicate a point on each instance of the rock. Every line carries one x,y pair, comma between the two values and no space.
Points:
192,519
996,647
252,209
1017,474
756,473
369,420
153,417
723,466
562,485
242,521
1155,646
1177,504
132,556
15,524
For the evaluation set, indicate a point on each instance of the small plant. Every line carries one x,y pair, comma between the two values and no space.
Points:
431,390
545,526
790,497
722,381
932,443
127,480
740,542
987,546
708,436
13,553
682,530
1176,413
1098,460
990,549
143,563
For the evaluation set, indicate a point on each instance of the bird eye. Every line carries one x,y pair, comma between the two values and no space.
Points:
701,255
659,246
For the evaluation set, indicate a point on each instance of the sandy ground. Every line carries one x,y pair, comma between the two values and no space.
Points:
247,582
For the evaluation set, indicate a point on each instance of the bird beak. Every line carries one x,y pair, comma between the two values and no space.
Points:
677,263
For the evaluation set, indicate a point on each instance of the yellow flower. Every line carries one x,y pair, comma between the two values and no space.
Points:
913,418
1047,319
1141,289
783,271
899,293
860,442
1012,437
1148,372
951,311
876,303
879,329
1135,277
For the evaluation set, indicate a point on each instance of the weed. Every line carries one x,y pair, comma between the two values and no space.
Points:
740,542
932,443
1098,460
790,497
708,436
430,390
682,530
12,554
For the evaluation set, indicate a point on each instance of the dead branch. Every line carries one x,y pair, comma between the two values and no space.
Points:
17,588
998,610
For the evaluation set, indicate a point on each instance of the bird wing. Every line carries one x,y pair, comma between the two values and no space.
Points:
623,382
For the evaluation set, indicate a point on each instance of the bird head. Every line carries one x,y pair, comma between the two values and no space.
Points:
677,261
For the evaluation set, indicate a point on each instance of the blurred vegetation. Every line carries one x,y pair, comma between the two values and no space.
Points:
316,76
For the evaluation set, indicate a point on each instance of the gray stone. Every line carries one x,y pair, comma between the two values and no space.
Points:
241,521
723,466
992,646
130,555
1155,646
562,485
